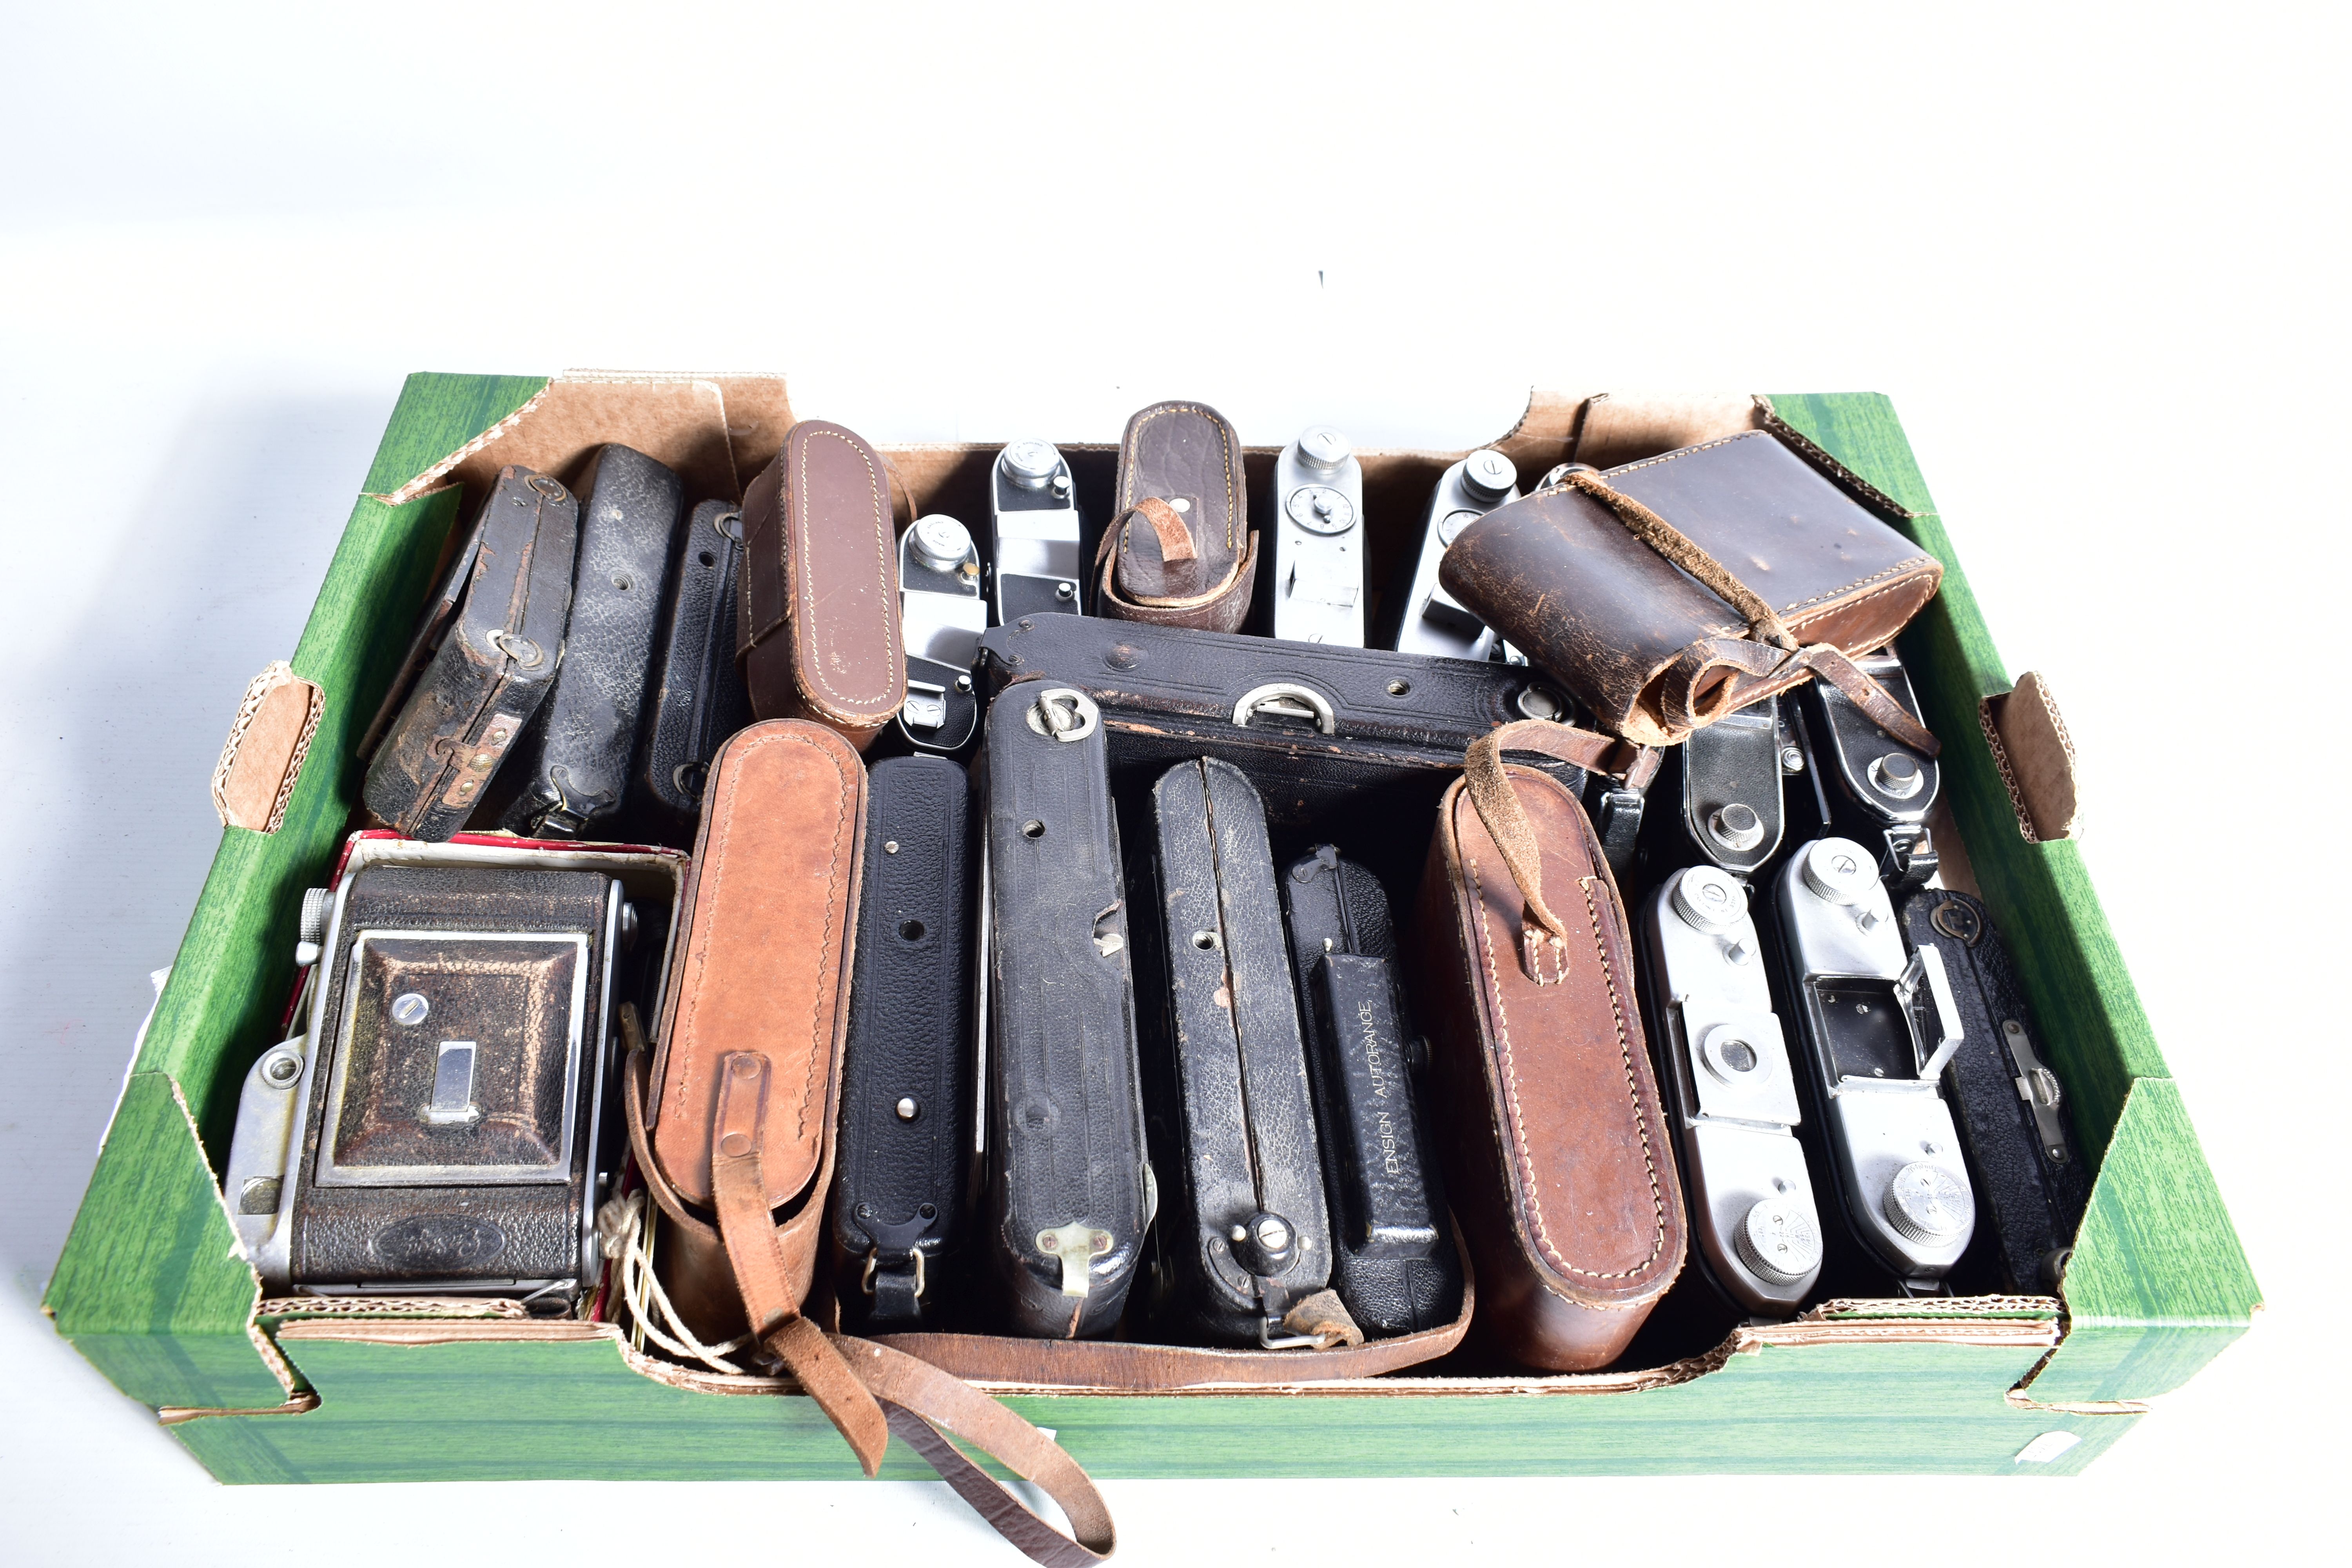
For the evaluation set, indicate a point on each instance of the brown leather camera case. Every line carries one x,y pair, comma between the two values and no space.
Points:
1669,592
818,623
1556,1152
1180,551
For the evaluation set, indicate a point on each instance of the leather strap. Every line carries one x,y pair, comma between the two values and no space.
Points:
867,1391
1498,805
764,1275
1690,699
1175,539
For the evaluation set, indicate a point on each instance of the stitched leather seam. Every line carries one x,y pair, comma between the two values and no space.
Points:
1906,569
1910,580
1519,1151
808,594
713,868
1625,1055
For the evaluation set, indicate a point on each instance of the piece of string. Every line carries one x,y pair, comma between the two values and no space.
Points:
624,1230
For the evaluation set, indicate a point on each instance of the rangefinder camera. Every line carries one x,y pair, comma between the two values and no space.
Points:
1872,787
1719,796
438,1126
940,617
1318,555
1731,1092
1434,621
1877,1029
1036,532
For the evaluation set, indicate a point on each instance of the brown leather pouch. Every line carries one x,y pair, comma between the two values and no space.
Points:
818,622
1180,551
733,1121
1558,1158
1667,593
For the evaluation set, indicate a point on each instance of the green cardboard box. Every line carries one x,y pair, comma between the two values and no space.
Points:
152,1290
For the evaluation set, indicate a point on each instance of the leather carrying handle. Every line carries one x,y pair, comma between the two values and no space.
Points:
1773,653
1506,820
867,1391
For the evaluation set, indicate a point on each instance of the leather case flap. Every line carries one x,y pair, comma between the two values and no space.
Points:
760,961
262,759
2036,758
1595,1203
1562,576
820,569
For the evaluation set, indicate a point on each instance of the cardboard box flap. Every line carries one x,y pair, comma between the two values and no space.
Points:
2036,758
716,431
1627,426
262,759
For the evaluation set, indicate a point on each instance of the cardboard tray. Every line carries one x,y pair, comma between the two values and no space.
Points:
152,1289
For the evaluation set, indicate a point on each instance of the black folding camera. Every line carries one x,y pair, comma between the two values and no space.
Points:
439,1128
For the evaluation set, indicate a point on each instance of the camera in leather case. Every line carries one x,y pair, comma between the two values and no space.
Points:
437,1129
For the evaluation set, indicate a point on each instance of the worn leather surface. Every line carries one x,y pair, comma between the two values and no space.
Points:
391,1236
1393,1262
902,1179
1065,1106
500,619
1400,722
759,958
1642,643
1556,1149
1191,559
2036,1198
1232,1124
695,698
819,599
572,763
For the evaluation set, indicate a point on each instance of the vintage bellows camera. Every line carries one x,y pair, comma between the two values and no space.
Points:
440,1127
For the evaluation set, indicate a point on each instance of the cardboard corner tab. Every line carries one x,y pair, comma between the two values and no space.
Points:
263,757
2036,758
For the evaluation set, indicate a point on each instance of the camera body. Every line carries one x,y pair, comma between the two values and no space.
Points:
940,617
1318,541
439,1128
1731,1090
1432,621
1873,788
1035,533
1876,1029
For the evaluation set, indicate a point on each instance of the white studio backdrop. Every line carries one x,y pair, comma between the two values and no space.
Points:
2091,252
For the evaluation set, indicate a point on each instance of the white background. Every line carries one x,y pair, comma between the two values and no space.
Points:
2096,256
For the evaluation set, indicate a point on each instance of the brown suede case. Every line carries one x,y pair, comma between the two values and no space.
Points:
1180,551
818,623
1557,1153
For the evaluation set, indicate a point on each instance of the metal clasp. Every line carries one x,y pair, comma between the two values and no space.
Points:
1064,713
1287,700
1076,1244
2039,1088
873,1258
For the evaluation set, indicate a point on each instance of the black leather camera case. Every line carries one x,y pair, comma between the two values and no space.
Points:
1316,729
572,764
496,634
1067,1199
1394,1260
1231,1120
695,697
2030,1173
906,1144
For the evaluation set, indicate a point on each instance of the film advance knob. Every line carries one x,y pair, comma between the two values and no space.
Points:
1323,448
1898,774
1488,474
941,541
1928,1204
1840,871
1736,827
1710,899
1779,1240
1030,463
